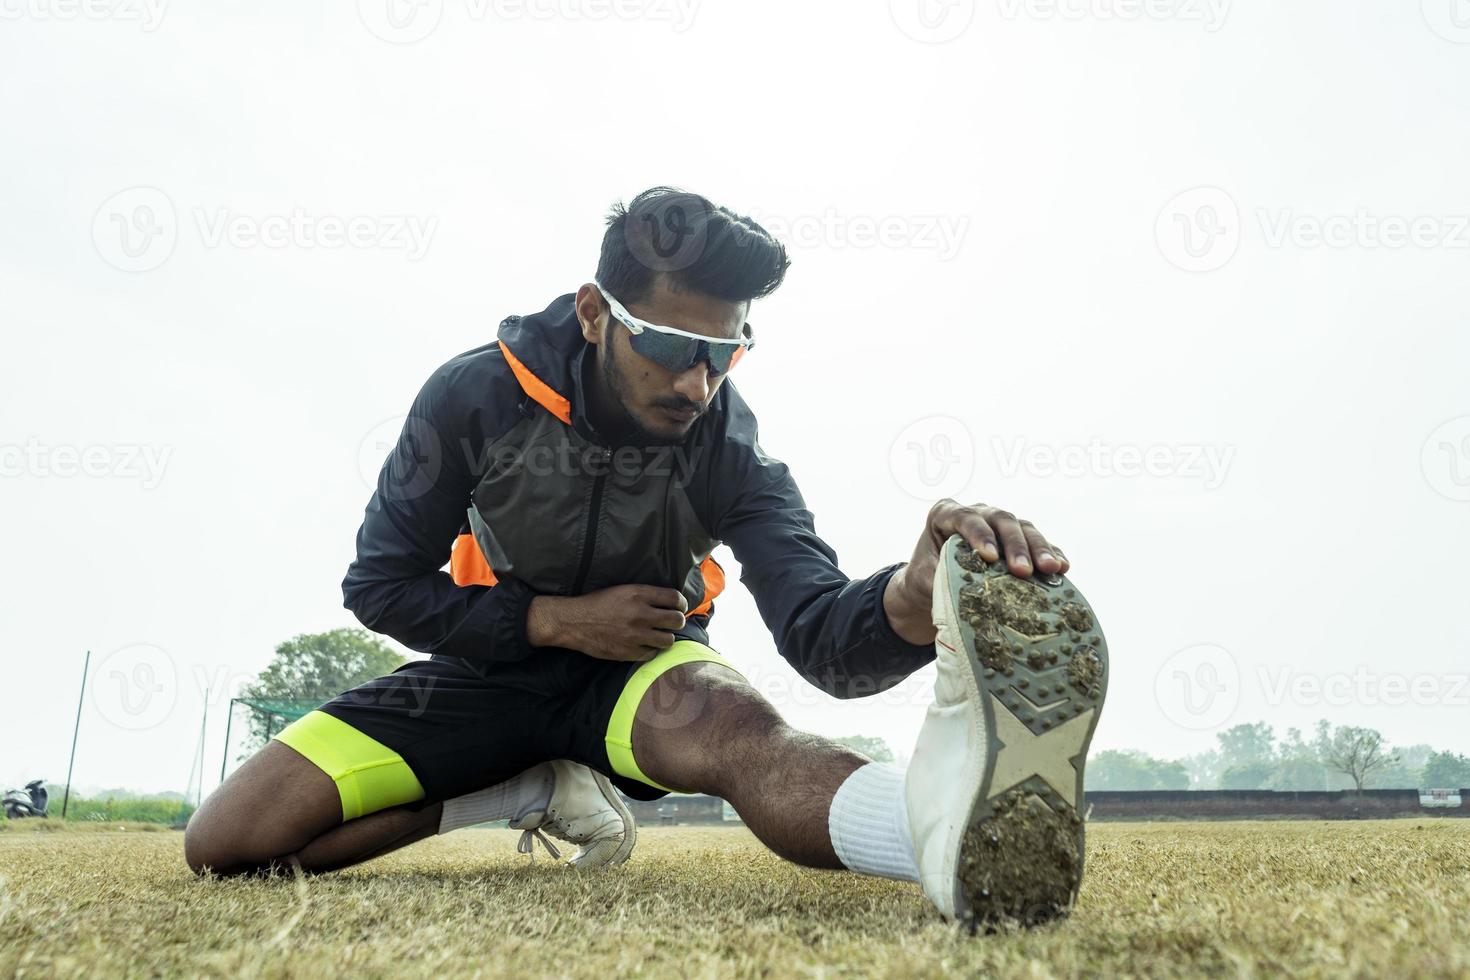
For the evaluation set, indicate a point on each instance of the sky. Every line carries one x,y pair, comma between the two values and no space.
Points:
1182,281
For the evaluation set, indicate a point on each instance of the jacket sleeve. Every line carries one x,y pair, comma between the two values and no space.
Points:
396,584
834,631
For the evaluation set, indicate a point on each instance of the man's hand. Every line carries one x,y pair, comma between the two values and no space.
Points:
990,531
624,622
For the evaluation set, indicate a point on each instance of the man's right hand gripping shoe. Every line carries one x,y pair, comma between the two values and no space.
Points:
995,783
584,810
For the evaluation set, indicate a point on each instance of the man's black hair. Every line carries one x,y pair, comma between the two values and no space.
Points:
698,246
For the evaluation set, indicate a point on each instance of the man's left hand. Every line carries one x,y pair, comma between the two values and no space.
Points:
991,531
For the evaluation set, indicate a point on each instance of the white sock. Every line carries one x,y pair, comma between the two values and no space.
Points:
869,824
510,800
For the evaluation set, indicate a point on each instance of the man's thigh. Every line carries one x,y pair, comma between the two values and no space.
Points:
435,729
439,728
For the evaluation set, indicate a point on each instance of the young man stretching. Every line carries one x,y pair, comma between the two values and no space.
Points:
576,476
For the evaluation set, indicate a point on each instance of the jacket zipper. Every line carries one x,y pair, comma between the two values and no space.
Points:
589,543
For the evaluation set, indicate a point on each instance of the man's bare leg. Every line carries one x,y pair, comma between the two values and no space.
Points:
986,818
702,728
279,808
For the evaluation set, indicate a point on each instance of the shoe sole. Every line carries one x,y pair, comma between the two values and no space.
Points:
1040,665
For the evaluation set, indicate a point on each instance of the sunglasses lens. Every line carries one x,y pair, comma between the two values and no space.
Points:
666,350
722,357
677,353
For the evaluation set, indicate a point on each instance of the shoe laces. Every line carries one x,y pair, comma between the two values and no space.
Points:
527,843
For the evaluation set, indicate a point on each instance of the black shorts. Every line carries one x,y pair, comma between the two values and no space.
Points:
439,728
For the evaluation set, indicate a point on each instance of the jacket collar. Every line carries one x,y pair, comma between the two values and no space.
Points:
547,351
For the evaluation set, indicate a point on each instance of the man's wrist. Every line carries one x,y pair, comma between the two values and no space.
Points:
544,622
908,614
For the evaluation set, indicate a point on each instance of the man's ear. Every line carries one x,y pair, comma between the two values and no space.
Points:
590,311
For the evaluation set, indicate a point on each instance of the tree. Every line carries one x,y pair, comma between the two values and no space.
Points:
1359,753
1299,772
1298,766
1204,770
1251,775
1446,770
1131,770
1294,746
869,745
318,667
1117,770
1408,772
1247,745
1171,775
1415,757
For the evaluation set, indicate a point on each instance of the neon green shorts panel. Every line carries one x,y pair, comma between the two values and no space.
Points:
620,725
369,775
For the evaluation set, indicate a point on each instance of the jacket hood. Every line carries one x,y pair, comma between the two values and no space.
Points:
545,351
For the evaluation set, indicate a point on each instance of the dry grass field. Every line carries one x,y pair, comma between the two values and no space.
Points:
1223,899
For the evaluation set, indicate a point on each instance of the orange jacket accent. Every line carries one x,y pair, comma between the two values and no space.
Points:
467,564
714,584
544,394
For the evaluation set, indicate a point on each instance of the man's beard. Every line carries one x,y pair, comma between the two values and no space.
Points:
628,428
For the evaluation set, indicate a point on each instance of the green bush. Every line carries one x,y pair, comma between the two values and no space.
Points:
135,811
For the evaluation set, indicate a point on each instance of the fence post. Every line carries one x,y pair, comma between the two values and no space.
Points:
71,763
229,720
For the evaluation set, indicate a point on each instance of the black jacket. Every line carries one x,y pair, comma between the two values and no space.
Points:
474,481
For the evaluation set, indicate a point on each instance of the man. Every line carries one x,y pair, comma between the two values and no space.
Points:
576,476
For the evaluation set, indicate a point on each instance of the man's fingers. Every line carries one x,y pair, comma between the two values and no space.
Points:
659,642
1043,553
666,619
969,523
1012,542
992,532
668,599
1066,562
647,645
666,609
640,655
981,536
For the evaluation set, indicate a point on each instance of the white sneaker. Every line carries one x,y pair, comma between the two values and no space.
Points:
996,779
584,810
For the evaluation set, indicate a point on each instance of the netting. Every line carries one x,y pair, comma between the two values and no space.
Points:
288,709
253,721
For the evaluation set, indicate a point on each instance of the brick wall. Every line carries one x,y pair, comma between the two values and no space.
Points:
1247,804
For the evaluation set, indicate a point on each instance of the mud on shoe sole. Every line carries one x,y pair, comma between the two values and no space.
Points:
1041,667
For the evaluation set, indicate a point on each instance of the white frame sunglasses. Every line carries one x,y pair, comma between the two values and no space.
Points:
637,326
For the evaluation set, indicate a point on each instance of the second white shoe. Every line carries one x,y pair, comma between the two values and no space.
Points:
584,810
993,790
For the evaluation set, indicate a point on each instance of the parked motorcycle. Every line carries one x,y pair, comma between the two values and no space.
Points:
29,802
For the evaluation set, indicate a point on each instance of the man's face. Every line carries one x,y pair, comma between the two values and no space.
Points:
657,405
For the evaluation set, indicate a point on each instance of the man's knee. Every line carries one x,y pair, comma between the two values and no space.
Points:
204,846
210,844
270,807
694,697
695,720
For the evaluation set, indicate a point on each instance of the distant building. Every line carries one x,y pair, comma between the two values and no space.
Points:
1441,799
683,809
